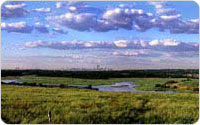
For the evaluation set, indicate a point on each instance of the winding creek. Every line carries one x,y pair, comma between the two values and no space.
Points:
128,86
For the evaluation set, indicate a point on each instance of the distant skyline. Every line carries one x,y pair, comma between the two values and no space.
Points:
113,34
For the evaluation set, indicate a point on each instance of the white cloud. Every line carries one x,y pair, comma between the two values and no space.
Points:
157,4
170,17
123,5
132,53
161,7
15,6
41,28
164,42
66,4
23,27
124,18
58,30
154,42
60,4
72,8
121,43
88,44
165,11
104,26
82,17
13,10
20,27
112,19
155,45
81,22
3,25
34,44
170,42
75,6
45,10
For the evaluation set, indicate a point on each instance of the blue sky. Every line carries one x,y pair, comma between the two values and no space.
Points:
117,35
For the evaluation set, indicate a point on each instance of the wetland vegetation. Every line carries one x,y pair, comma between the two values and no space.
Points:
25,104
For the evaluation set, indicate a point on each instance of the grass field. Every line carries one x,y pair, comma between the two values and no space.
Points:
147,84
22,104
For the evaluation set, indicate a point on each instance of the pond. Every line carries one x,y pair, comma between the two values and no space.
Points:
118,86
125,86
128,86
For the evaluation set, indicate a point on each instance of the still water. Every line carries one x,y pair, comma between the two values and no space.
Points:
128,86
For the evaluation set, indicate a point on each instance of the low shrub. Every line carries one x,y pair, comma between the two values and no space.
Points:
171,82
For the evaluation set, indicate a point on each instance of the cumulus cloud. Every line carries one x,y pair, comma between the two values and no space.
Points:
41,28
133,53
170,19
34,44
164,42
166,11
175,25
15,6
189,26
165,45
123,17
44,10
161,7
60,4
20,27
58,30
112,19
82,17
13,10
156,48
104,26
172,45
77,7
121,43
81,22
23,27
157,4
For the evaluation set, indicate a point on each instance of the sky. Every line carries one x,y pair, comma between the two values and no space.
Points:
116,35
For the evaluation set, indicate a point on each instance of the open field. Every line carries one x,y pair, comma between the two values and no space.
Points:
31,105
25,104
147,84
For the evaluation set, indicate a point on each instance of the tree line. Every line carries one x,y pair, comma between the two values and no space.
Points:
163,73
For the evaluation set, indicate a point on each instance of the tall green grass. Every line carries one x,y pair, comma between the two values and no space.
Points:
28,105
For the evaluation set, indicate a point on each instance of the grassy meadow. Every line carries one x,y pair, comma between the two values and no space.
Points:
147,84
22,104
25,104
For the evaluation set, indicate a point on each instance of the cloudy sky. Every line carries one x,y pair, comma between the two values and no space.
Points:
117,35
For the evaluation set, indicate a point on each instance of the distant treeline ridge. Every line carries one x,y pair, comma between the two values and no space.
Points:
164,73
